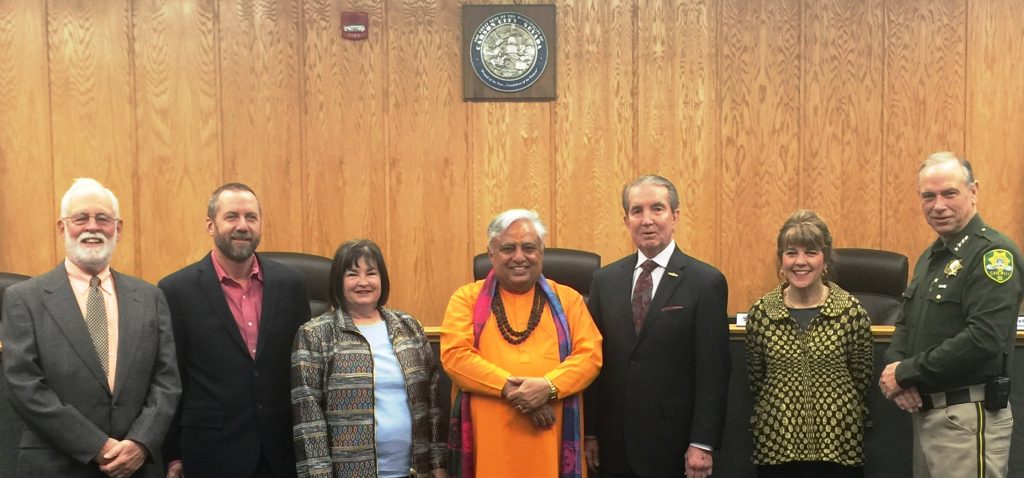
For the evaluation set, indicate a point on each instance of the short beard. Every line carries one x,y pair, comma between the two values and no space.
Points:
242,254
90,260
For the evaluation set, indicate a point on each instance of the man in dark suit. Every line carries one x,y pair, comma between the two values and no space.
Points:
658,406
89,354
234,318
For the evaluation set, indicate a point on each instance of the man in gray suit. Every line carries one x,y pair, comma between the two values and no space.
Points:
89,354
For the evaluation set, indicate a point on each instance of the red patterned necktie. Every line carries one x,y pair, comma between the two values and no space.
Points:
642,294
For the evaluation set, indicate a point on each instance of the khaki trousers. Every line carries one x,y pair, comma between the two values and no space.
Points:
962,441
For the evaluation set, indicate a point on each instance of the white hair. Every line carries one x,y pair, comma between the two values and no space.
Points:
504,220
948,157
84,186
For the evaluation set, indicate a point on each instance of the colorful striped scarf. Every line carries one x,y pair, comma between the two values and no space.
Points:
462,463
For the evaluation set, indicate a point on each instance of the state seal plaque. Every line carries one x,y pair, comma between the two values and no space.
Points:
510,51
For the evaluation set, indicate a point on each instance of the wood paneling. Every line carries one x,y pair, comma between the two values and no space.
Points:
344,100
923,109
840,175
995,112
92,107
178,129
428,243
759,78
27,205
595,131
261,96
677,113
510,155
754,108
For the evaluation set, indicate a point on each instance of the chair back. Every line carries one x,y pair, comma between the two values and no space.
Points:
876,278
317,271
11,425
570,267
9,279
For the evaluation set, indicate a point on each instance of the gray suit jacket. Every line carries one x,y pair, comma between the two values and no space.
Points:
58,387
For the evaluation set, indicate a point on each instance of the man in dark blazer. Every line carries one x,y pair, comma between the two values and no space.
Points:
658,406
89,354
234,318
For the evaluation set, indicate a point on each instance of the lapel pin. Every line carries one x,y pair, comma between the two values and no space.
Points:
673,274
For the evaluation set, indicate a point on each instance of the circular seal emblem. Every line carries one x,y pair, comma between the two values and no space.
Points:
508,52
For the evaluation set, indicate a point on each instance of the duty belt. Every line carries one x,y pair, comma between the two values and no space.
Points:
971,394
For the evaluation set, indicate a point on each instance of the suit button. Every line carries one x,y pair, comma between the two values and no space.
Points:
255,373
259,406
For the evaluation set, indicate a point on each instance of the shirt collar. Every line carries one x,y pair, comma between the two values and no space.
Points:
661,259
256,272
80,278
962,241
836,303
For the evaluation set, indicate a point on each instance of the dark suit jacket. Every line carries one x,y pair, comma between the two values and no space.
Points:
58,387
232,405
666,388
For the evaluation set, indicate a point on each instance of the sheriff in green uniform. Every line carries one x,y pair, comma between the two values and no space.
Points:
956,332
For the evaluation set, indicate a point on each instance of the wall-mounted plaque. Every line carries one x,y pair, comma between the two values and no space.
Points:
508,52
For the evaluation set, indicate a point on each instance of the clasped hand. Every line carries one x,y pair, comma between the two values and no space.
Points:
119,459
908,399
529,395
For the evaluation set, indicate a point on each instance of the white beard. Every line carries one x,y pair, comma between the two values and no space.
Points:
91,259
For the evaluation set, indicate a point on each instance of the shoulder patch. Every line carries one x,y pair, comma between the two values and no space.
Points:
998,265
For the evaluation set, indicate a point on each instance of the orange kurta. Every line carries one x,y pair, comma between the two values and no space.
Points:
506,442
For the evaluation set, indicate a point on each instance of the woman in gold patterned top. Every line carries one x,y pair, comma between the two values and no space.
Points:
809,359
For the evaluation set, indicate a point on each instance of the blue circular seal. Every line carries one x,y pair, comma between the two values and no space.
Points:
508,52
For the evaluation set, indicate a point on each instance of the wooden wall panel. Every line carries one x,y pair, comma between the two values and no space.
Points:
923,109
178,129
511,162
840,167
995,112
595,129
677,113
344,99
753,107
261,117
511,158
26,165
92,113
429,239
759,78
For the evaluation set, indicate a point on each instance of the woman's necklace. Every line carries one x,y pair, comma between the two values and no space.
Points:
788,297
511,335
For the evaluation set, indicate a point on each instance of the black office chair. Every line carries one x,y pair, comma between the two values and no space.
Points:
570,267
9,279
10,425
316,269
876,278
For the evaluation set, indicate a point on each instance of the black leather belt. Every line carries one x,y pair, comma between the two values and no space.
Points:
974,393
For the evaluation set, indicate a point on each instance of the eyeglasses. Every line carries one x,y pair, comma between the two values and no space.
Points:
102,220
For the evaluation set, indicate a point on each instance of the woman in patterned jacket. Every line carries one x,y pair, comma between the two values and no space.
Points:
810,363
364,381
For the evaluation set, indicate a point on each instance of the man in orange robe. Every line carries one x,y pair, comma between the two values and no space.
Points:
519,349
